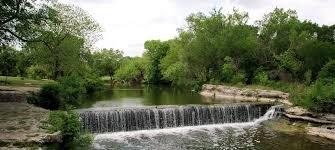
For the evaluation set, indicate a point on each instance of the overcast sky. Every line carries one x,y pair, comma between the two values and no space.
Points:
127,24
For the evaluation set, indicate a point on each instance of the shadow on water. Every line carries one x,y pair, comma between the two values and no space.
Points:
142,96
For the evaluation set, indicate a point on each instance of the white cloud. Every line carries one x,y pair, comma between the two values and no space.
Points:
128,24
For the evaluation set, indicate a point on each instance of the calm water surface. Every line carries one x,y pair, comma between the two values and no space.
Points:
141,96
268,135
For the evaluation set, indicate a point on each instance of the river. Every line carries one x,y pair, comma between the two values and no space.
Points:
152,120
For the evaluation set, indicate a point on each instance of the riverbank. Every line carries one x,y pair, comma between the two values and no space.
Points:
222,92
324,123
23,125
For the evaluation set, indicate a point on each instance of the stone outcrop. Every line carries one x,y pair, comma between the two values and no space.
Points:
323,131
23,125
327,121
298,113
15,94
243,94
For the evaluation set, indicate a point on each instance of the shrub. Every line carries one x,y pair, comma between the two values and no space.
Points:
320,97
66,93
70,126
131,70
230,73
288,61
93,83
308,77
327,72
239,77
262,78
73,86
37,72
49,97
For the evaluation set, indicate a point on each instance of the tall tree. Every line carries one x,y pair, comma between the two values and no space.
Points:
66,41
7,61
107,61
18,17
155,51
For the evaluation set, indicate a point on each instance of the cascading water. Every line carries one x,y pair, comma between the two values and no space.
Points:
143,118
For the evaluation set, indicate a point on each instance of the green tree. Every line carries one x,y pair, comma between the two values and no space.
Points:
17,17
107,61
315,54
131,71
66,41
155,51
8,61
275,29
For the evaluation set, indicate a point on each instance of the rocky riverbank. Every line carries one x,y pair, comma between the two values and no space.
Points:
22,125
222,92
323,124
16,94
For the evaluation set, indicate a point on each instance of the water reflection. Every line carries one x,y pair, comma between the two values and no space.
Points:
139,96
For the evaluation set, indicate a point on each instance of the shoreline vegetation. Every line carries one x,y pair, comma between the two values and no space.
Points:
56,54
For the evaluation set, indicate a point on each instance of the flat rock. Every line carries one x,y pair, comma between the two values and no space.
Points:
308,119
322,132
22,123
243,94
299,111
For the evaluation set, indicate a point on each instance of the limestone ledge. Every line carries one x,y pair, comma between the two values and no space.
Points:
222,92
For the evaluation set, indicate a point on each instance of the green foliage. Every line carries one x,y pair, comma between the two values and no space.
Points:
276,28
93,83
56,120
131,71
70,126
72,88
66,93
155,51
230,72
308,77
327,72
315,55
18,17
50,97
65,43
288,61
7,60
320,97
107,61
262,78
37,72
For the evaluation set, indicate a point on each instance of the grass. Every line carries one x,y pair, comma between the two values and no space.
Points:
22,81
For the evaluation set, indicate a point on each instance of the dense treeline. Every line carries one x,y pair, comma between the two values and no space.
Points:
214,48
279,51
224,48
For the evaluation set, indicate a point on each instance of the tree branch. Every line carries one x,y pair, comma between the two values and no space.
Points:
19,37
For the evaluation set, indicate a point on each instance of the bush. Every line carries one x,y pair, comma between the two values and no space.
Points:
73,87
70,126
320,97
230,73
327,72
131,71
262,78
37,72
49,97
93,83
66,93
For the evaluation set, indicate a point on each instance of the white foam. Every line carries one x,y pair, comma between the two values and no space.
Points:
122,136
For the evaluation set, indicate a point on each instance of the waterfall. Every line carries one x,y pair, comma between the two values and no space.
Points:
104,120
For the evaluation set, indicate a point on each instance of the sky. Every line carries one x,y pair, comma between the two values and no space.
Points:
127,24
